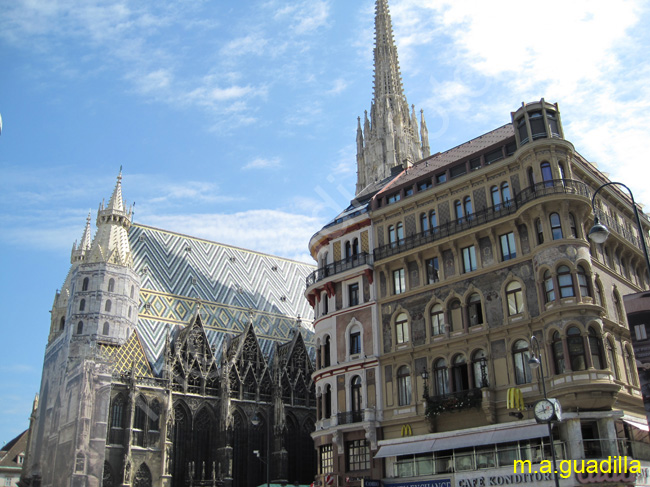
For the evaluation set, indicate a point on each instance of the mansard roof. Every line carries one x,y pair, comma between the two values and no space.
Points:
443,159
182,276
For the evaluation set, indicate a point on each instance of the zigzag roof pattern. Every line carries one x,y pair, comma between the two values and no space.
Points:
228,286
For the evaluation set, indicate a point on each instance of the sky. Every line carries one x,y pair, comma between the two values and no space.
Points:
236,121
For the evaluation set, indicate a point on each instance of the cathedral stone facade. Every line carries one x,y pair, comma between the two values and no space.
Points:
173,361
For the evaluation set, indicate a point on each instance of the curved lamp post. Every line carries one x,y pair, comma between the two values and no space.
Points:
535,362
255,421
600,232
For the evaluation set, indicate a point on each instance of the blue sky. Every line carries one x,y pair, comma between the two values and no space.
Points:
236,121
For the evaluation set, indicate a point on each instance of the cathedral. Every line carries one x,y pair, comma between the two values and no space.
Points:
173,361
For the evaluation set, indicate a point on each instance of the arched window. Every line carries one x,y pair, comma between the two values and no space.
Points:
117,419
440,377
496,197
433,220
572,226
400,232
391,235
84,286
355,246
565,282
154,423
475,310
132,291
556,226
348,250
139,422
459,373
82,305
403,386
521,356
80,328
458,208
576,346
631,367
142,476
129,312
620,315
107,306
424,222
326,352
560,165
531,176
328,401
583,283
611,358
514,298
596,348
355,393
62,323
106,328
402,328
547,174
479,368
540,231
111,285
467,206
455,316
437,320
599,294
558,353
549,287
505,194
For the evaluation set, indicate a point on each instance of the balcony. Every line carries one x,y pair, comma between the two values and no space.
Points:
455,401
540,190
350,417
364,258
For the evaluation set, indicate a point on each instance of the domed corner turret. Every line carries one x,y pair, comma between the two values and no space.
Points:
537,120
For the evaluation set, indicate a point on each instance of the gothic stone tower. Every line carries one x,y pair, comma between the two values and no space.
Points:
391,136
97,304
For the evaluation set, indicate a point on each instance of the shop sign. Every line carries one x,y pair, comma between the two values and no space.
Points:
424,483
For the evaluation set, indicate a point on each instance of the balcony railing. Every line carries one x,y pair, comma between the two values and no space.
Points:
454,401
350,417
339,266
556,186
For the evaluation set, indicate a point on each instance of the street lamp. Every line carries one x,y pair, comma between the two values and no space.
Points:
600,232
535,362
425,376
255,422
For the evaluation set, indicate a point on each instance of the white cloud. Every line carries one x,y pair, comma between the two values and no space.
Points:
250,44
306,16
338,86
263,163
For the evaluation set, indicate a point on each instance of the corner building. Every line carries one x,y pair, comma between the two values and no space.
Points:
473,251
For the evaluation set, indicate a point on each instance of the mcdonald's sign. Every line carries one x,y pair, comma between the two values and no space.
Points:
515,399
407,430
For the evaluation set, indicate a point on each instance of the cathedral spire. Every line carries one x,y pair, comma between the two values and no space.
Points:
111,242
388,79
79,252
391,137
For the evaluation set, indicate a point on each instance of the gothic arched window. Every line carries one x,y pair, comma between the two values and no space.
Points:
142,476
84,286
111,285
107,306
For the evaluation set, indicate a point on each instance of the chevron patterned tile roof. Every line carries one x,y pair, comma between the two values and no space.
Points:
228,286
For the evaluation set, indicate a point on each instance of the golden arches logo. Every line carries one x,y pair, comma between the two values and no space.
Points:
407,430
515,399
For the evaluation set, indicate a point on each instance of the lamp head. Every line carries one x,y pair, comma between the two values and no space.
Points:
533,362
425,374
598,232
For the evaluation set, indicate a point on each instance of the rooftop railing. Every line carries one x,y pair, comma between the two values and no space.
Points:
339,266
539,190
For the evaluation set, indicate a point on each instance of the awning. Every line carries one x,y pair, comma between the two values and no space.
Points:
503,435
410,448
637,423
